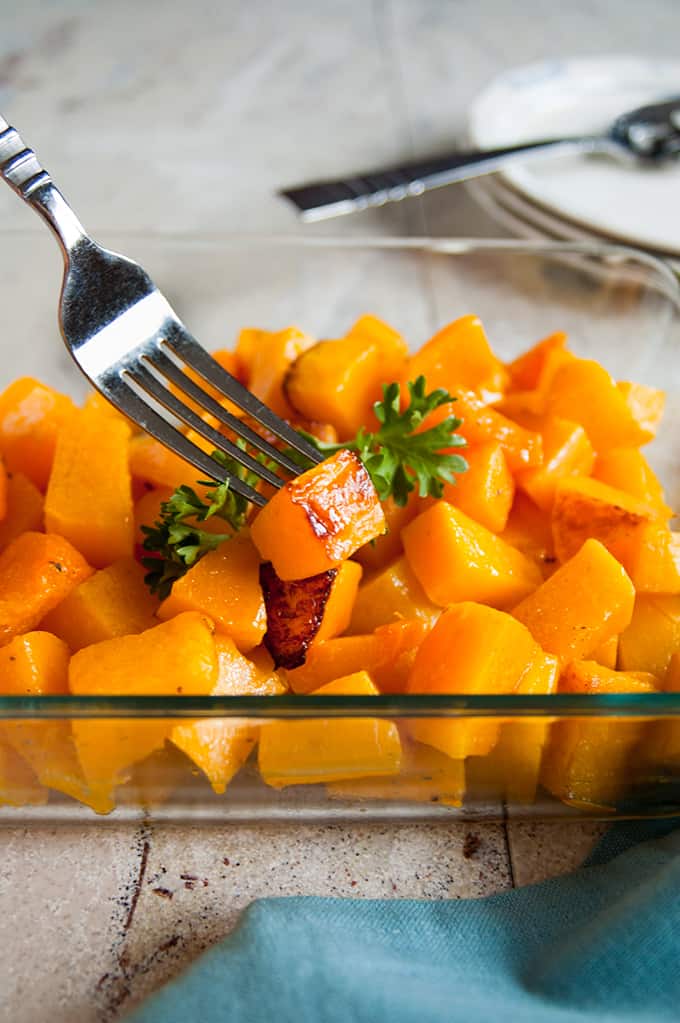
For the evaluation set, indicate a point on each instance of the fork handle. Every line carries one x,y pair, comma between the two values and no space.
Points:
22,171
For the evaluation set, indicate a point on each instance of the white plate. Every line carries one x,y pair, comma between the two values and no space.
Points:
635,204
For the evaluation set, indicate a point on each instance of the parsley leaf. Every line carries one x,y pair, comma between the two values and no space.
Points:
400,456
176,541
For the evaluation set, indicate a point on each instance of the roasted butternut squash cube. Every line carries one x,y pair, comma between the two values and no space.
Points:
224,585
529,530
387,654
320,518
218,747
270,356
525,371
607,653
455,558
586,508
652,636
24,512
486,490
588,600
339,381
36,664
89,496
383,550
513,766
628,470
459,355
646,405
37,572
566,452
653,560
390,595
482,424
31,415
471,649
584,388
112,602
151,462
301,612
175,657
327,749
19,785
426,776
586,761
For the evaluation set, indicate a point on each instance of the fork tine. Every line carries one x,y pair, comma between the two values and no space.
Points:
164,365
144,379
153,423
190,352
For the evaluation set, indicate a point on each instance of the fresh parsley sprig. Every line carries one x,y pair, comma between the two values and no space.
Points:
176,541
399,455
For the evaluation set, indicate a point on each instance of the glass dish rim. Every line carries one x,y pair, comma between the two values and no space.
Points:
445,244
389,706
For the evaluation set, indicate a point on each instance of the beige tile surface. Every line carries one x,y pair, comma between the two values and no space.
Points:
154,117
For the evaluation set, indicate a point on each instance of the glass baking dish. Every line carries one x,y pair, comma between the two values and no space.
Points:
617,305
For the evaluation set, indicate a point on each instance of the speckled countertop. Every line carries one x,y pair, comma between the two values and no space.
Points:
159,116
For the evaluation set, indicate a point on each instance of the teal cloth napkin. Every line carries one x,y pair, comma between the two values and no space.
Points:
600,944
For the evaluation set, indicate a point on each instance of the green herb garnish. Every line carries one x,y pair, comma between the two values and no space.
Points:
398,457
176,540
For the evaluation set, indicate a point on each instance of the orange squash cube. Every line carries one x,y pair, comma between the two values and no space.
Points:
219,748
320,518
459,355
112,602
583,388
587,600
89,496
566,452
224,585
152,462
24,509
471,649
327,749
3,490
36,664
482,424
525,371
390,595
19,785
37,572
652,636
646,405
426,776
514,764
339,381
585,761
303,612
31,415
175,657
627,469
486,490
386,654
455,558
653,559
607,653
270,356
529,530
384,549
585,508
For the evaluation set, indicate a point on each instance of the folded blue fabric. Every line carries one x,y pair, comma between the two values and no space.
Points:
600,944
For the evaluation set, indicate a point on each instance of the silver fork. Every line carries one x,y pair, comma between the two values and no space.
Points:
130,344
